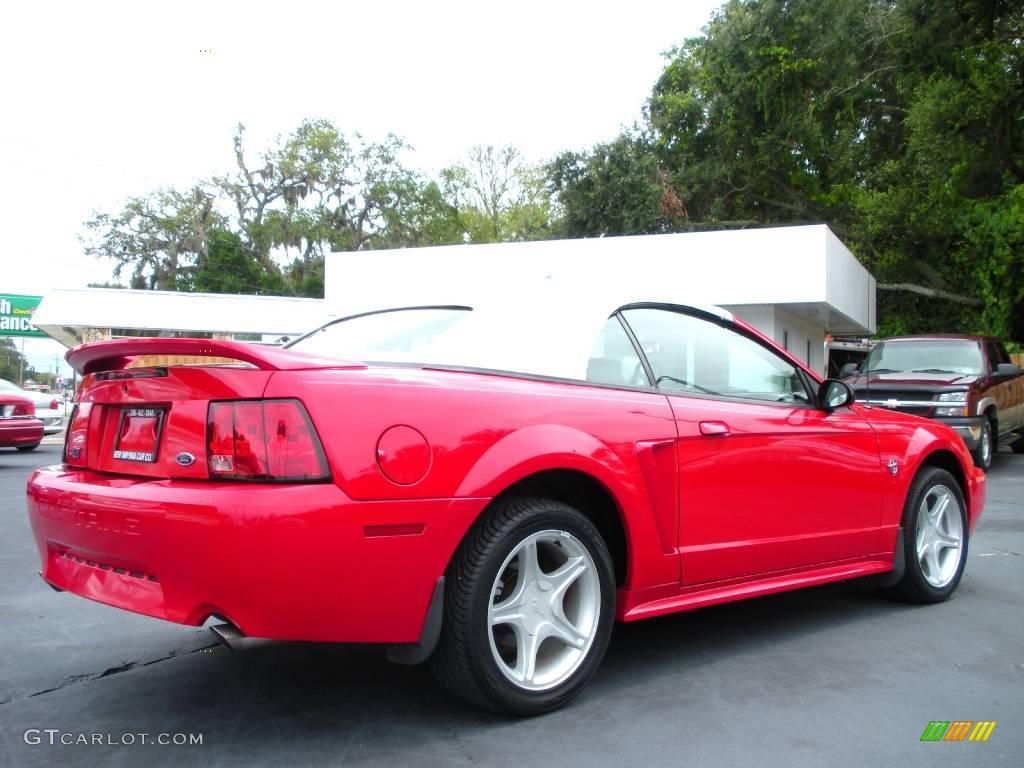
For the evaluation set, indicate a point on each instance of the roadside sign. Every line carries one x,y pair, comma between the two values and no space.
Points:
16,315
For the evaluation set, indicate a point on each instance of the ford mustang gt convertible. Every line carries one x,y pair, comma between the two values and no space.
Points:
488,488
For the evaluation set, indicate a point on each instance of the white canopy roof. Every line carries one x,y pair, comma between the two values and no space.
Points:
805,269
65,310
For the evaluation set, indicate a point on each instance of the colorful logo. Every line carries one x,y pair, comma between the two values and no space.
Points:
958,730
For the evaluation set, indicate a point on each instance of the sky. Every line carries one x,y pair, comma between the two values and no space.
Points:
104,100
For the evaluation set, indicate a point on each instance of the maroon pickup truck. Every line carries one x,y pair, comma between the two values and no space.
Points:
967,382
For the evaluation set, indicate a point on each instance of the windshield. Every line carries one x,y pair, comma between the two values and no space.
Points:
925,356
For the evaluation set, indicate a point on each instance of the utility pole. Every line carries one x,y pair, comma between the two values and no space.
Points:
21,364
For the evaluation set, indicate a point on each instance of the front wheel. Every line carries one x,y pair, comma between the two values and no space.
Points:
529,606
935,537
982,455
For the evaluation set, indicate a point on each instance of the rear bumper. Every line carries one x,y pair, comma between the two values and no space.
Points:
287,562
18,432
52,424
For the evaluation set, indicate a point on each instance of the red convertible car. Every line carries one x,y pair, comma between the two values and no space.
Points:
488,487
19,427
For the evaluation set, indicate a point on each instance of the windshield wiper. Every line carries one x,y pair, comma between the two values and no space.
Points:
931,370
882,370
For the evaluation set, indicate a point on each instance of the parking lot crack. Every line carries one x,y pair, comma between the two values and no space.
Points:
109,672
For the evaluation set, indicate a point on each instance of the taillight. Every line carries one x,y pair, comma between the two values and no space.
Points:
53,405
266,440
24,409
75,441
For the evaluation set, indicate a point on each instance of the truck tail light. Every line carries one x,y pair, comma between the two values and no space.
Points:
265,441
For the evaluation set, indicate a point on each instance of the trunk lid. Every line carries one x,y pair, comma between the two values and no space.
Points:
135,416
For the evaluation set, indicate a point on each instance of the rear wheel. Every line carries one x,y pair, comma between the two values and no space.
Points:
27,448
982,455
529,606
935,537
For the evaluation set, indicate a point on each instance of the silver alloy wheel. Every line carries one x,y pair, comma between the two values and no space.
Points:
940,534
544,609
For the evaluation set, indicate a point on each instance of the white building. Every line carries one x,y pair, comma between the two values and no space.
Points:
76,315
796,284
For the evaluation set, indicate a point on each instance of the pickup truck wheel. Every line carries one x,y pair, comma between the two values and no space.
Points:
982,455
935,537
529,606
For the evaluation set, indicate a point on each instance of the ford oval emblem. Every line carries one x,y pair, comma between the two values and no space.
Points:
185,459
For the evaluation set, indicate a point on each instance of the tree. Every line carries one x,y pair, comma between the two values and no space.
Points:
158,236
266,226
959,182
900,123
13,367
496,196
618,188
226,266
319,190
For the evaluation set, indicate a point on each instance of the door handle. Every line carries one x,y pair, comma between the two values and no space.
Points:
714,428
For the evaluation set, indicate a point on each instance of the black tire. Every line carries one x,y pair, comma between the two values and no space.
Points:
27,448
463,662
982,455
915,586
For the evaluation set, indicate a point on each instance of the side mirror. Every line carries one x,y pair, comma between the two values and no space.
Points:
833,394
1006,369
848,370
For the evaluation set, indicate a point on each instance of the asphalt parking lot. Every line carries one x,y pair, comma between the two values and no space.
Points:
830,676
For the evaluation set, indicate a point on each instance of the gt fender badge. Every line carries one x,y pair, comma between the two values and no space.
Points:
894,467
185,459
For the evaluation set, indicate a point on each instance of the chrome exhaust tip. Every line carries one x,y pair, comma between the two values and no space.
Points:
234,639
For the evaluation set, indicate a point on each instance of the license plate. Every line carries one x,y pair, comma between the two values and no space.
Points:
138,434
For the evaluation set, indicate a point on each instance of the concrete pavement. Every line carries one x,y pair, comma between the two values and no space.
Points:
829,676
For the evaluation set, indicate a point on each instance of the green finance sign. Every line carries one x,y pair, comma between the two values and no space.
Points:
16,315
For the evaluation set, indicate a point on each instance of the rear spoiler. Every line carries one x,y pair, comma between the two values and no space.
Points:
117,354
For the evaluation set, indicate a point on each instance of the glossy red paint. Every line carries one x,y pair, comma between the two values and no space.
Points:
403,455
18,425
790,462
777,496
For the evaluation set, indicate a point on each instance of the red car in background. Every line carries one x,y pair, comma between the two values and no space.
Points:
489,487
19,427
